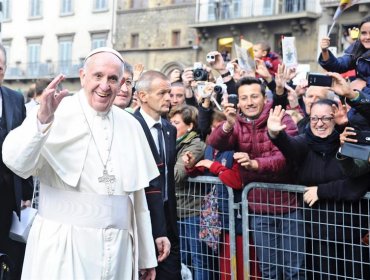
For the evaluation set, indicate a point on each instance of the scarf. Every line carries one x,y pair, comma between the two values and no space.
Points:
328,145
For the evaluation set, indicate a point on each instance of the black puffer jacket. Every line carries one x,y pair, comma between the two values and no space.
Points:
335,215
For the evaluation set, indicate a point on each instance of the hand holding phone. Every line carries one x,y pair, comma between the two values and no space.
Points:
233,98
321,80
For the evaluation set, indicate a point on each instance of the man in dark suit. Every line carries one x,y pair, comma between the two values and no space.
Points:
153,89
13,189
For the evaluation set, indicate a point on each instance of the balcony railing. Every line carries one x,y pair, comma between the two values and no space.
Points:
37,70
219,10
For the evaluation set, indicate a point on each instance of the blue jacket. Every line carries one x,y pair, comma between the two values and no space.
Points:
346,62
362,66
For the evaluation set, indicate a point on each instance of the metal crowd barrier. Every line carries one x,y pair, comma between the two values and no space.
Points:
203,262
329,242
335,245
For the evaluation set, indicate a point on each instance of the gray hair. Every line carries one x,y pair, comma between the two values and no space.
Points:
127,67
145,81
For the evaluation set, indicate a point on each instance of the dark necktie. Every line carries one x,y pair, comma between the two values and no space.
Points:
158,126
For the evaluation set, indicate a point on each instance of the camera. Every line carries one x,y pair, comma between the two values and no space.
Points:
230,68
210,58
233,98
319,80
220,88
199,73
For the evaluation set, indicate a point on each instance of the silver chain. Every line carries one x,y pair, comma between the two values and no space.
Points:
92,135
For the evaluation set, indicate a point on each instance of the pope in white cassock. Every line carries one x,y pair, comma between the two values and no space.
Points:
93,161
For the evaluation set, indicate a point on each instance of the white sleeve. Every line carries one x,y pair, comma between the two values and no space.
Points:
22,146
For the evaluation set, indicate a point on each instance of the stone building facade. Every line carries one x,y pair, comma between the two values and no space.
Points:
157,35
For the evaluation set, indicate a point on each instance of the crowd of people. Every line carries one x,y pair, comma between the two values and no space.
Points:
112,163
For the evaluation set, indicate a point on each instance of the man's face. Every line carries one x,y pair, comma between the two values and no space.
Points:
157,101
101,79
177,96
123,97
313,94
2,67
251,100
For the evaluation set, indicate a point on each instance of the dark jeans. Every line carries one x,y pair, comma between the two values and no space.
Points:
13,249
336,261
279,242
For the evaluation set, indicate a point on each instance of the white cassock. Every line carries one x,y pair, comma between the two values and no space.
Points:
81,232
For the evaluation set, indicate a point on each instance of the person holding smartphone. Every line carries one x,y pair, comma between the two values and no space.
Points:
355,57
273,214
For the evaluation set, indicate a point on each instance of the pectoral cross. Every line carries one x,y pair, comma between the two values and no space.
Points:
108,180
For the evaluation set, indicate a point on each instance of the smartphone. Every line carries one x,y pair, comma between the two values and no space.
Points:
233,98
362,136
320,80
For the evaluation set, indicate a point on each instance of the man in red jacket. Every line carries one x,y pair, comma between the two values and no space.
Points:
276,223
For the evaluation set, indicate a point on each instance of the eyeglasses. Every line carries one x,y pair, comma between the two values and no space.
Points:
324,119
128,83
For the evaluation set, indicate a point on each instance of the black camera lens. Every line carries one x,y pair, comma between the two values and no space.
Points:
217,89
200,75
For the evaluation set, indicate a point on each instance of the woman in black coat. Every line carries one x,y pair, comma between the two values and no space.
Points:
334,224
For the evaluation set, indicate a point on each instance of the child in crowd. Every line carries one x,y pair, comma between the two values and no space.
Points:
262,50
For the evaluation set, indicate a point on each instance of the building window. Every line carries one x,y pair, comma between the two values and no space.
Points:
35,8
66,7
6,45
295,6
176,36
33,54
267,7
139,4
134,40
6,10
65,54
99,40
100,5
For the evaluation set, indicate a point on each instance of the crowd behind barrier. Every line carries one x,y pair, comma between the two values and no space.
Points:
239,127
227,262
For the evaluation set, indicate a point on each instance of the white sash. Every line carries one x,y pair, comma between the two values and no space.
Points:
85,209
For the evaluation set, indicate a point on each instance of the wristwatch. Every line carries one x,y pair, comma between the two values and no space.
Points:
357,95
226,74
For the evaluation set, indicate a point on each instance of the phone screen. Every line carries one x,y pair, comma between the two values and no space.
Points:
319,80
